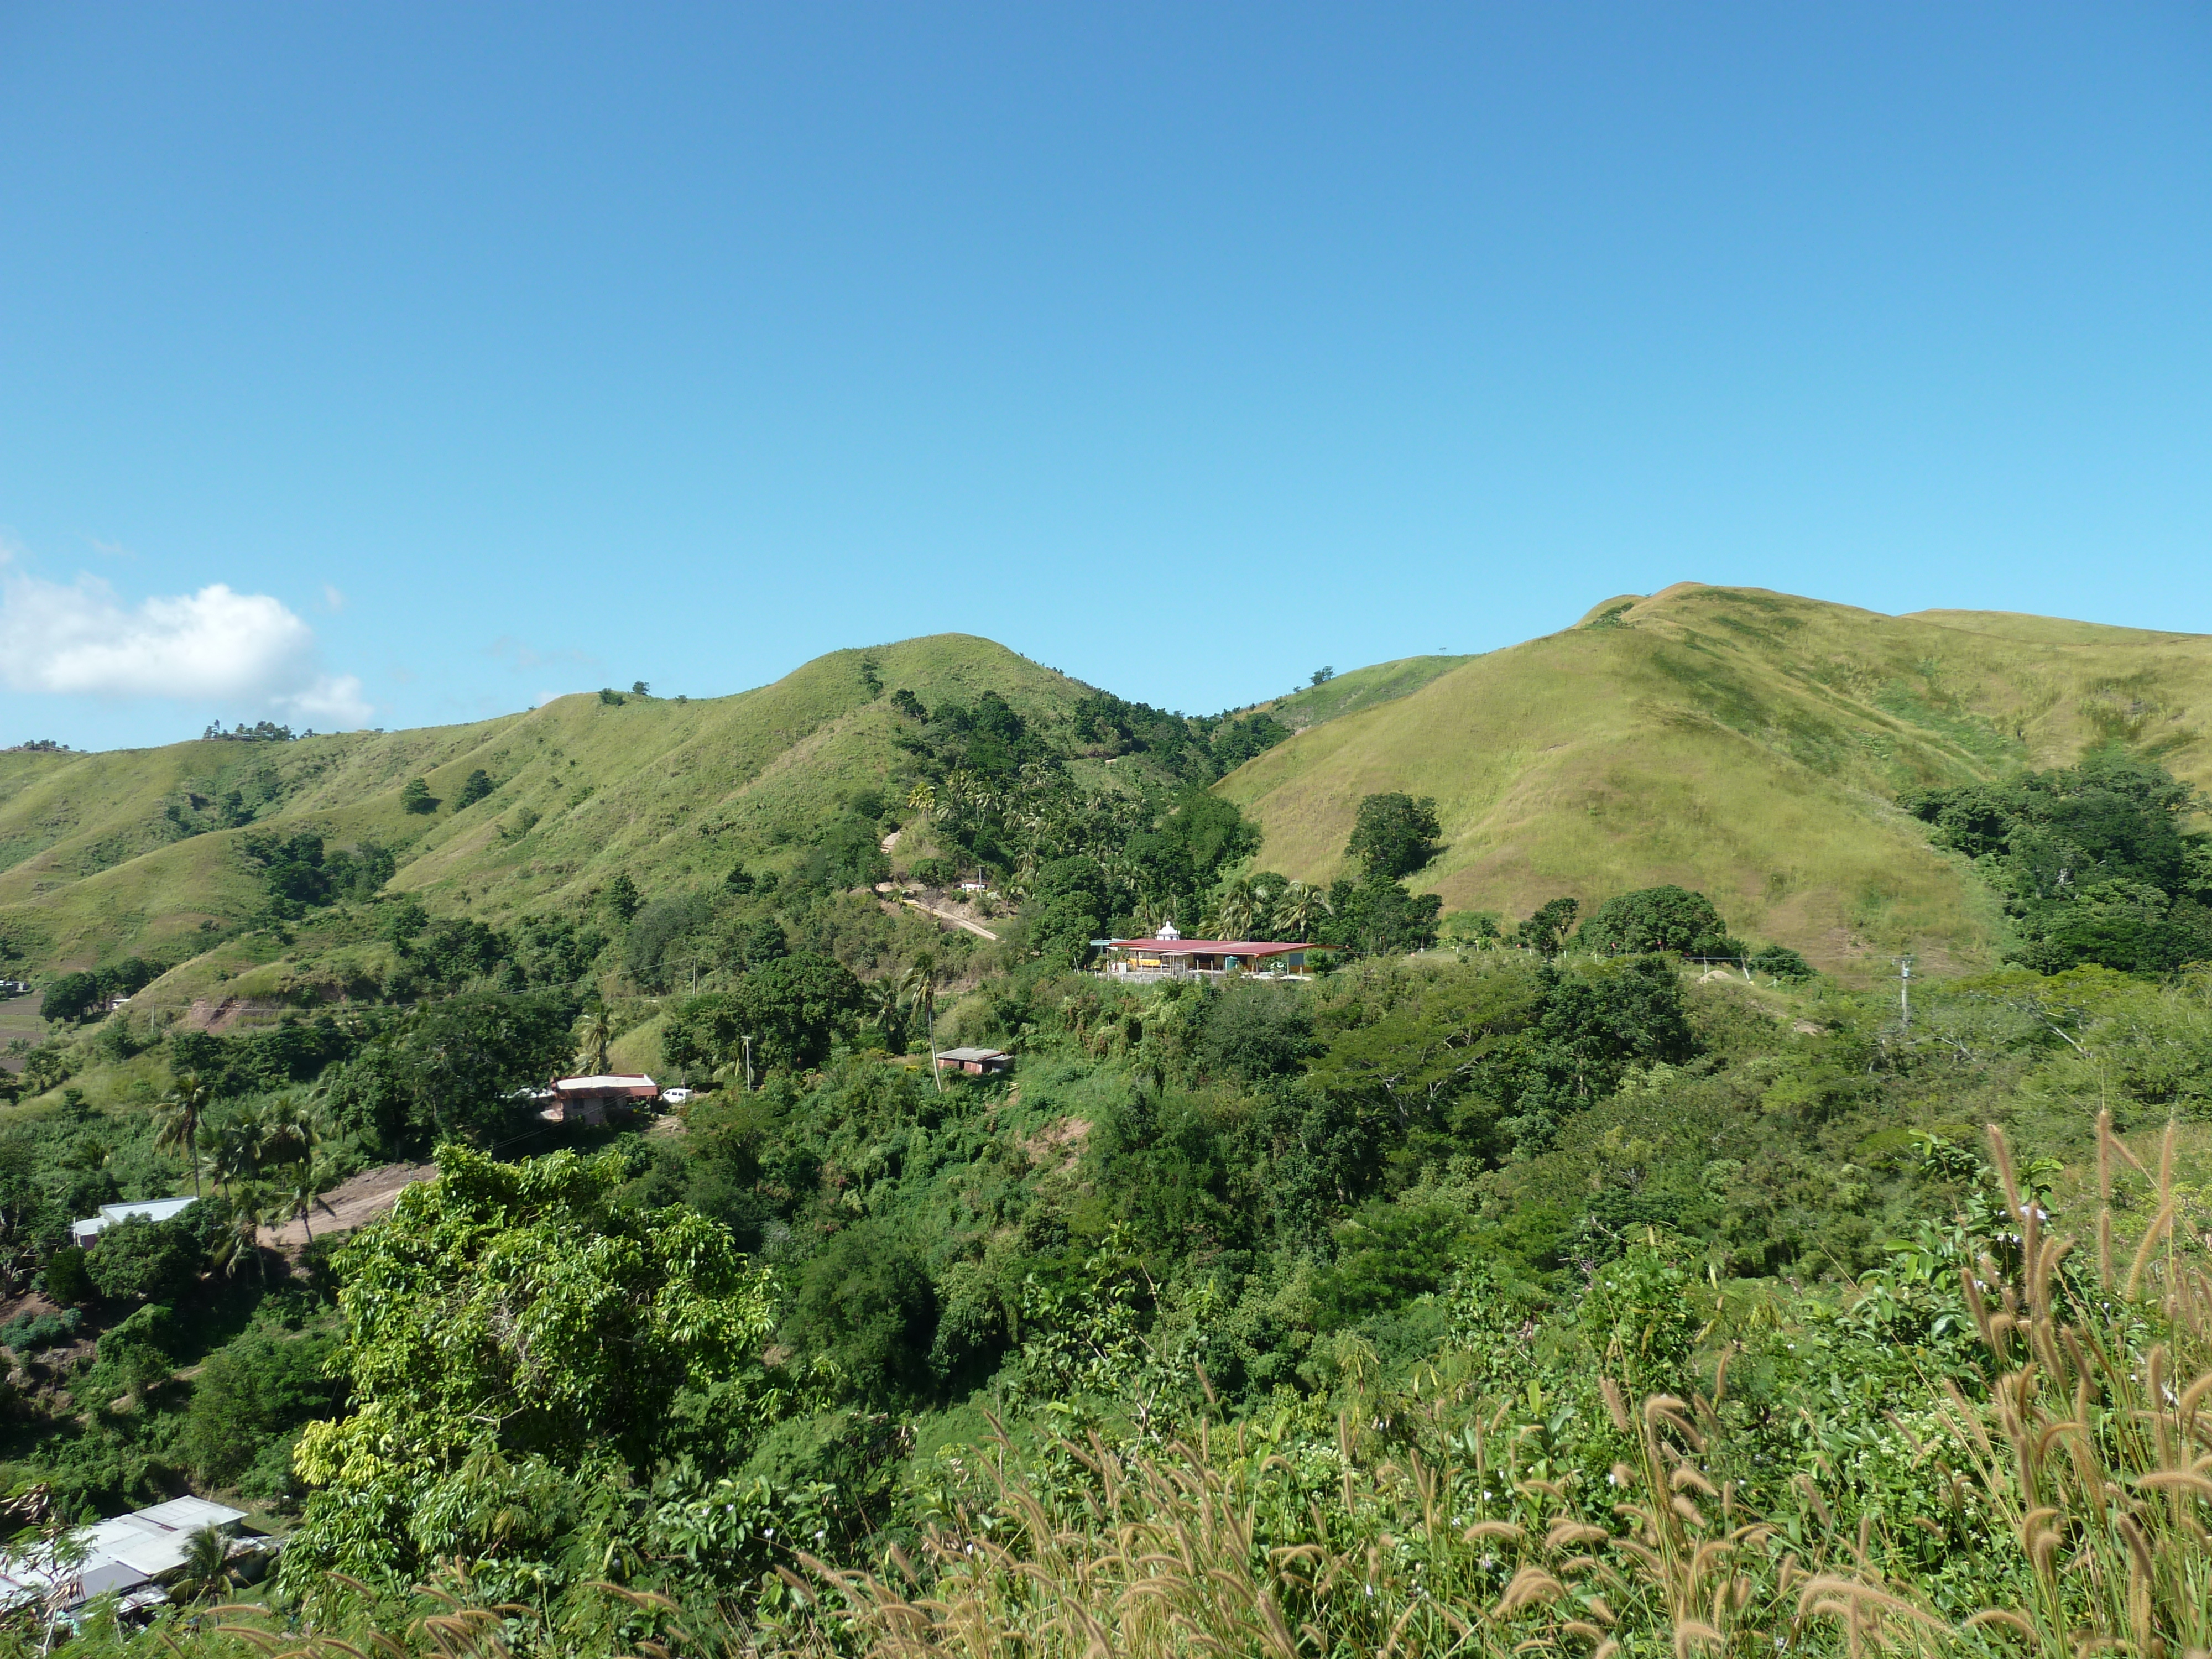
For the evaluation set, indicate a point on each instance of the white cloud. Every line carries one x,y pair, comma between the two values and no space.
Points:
246,651
333,598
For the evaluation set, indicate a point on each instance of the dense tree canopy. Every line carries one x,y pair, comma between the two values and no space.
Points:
513,1334
2095,862
1394,835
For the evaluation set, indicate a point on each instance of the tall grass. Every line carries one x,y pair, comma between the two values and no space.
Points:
1166,1557
2094,1447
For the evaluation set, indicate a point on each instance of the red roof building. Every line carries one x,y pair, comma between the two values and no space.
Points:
1167,955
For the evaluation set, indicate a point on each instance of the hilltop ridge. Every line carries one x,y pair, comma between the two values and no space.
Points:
93,862
1744,743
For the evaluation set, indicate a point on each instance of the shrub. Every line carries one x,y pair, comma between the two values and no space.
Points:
257,1389
1394,835
30,1333
137,1351
1670,919
1781,962
66,1278
866,1302
1257,1031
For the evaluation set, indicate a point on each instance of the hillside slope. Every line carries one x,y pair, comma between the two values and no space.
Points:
1358,688
1744,743
668,790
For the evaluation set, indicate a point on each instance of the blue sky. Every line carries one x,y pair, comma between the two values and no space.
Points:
396,365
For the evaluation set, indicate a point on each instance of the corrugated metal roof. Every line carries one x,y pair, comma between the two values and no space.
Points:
122,1551
151,1209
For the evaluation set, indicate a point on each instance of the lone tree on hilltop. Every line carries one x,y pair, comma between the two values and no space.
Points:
1394,834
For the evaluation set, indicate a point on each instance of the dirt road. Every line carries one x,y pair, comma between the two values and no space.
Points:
947,916
353,1202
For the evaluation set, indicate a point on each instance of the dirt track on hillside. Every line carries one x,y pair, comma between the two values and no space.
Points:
352,1203
956,921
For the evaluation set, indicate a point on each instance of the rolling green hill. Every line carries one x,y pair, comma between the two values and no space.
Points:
1744,743
667,790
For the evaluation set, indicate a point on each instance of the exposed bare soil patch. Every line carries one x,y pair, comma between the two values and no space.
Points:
352,1203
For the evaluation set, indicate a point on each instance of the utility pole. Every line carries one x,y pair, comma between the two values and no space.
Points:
1905,990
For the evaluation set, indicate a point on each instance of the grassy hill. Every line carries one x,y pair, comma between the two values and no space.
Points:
1358,688
1744,743
90,866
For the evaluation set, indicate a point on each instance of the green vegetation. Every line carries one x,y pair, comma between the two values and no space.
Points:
1658,919
1390,1264
2095,863
1549,1288
1331,694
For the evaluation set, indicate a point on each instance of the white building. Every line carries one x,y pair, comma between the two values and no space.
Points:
153,1209
124,1556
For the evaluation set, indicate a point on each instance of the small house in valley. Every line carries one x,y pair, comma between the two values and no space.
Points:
594,1100
975,1062
128,1556
1169,954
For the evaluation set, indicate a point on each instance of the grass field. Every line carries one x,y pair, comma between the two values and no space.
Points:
19,1021
1746,743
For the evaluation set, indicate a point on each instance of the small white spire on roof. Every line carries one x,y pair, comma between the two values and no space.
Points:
1167,931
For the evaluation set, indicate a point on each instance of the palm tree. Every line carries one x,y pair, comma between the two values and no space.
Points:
886,999
1235,911
918,984
1300,910
302,1189
288,1130
181,1110
595,1032
251,1203
240,1140
207,1564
